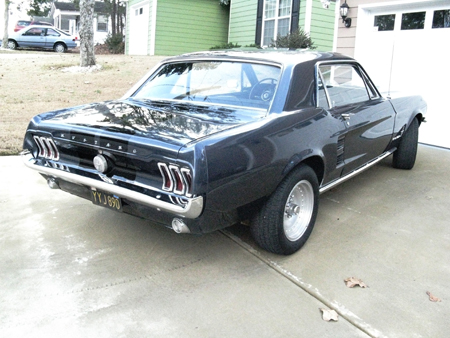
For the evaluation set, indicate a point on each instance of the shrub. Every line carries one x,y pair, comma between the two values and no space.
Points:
229,45
294,40
115,43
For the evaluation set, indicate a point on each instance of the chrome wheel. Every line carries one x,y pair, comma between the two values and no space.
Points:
298,210
59,48
12,44
287,217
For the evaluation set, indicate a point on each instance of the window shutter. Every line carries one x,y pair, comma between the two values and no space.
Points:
259,19
295,15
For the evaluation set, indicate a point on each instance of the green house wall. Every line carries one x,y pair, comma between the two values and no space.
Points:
322,25
183,26
243,22
302,14
190,25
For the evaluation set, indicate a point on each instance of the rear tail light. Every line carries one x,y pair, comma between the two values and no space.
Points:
176,179
46,148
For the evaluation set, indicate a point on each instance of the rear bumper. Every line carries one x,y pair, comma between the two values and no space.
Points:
192,209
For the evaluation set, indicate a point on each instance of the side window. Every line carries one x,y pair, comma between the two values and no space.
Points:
35,32
51,32
342,84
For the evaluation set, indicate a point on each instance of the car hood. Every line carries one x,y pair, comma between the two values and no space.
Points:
174,123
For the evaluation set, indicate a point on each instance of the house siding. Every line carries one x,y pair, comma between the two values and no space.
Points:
302,15
322,26
347,36
243,22
188,26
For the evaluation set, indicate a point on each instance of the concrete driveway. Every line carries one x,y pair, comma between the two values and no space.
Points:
72,269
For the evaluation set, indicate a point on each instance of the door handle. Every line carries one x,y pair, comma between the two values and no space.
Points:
346,116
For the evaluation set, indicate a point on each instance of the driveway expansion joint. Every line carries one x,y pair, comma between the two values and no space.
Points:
308,288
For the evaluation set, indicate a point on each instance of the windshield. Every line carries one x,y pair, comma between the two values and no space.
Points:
215,82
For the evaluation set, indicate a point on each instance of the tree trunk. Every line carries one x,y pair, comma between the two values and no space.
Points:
5,32
121,24
113,18
87,54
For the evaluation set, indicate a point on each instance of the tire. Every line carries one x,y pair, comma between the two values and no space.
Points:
59,48
12,44
287,218
405,155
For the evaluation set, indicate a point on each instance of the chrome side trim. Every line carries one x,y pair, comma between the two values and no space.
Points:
191,209
356,172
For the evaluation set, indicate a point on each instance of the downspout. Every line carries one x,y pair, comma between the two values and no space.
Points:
153,30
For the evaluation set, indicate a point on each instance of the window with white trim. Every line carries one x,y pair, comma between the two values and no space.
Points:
277,19
102,23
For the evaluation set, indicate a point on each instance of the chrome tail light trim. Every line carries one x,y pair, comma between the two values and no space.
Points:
188,181
179,183
46,148
175,179
166,176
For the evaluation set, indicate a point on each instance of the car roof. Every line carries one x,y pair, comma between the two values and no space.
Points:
19,32
39,26
281,56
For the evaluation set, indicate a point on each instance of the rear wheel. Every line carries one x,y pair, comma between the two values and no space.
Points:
59,48
12,44
287,218
405,155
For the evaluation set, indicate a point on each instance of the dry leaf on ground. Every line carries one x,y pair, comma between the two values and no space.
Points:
433,298
352,282
329,315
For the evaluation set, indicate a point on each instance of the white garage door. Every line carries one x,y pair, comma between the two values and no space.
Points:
138,34
406,48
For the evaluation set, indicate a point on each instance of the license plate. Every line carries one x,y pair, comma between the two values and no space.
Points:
106,200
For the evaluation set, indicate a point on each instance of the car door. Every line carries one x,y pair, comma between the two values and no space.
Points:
369,118
51,37
33,37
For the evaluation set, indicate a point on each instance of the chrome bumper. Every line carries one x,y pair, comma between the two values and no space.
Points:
192,209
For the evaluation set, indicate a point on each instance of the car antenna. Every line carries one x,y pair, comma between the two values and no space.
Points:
390,72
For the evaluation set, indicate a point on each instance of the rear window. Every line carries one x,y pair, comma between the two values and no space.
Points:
214,82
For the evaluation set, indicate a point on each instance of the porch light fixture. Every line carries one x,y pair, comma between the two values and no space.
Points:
344,13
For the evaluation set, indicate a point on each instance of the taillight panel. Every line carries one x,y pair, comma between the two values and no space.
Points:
175,179
46,148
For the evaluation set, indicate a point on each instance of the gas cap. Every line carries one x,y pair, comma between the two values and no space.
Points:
100,163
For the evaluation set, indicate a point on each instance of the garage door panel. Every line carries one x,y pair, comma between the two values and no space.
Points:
413,61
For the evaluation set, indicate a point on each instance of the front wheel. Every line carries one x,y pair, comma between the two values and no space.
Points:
59,48
12,44
287,218
405,155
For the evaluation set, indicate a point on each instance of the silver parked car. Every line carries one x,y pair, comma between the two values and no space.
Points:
42,37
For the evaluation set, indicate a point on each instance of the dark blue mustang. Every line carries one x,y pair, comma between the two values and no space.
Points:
211,139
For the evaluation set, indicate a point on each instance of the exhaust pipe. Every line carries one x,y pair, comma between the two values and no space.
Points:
179,226
52,183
